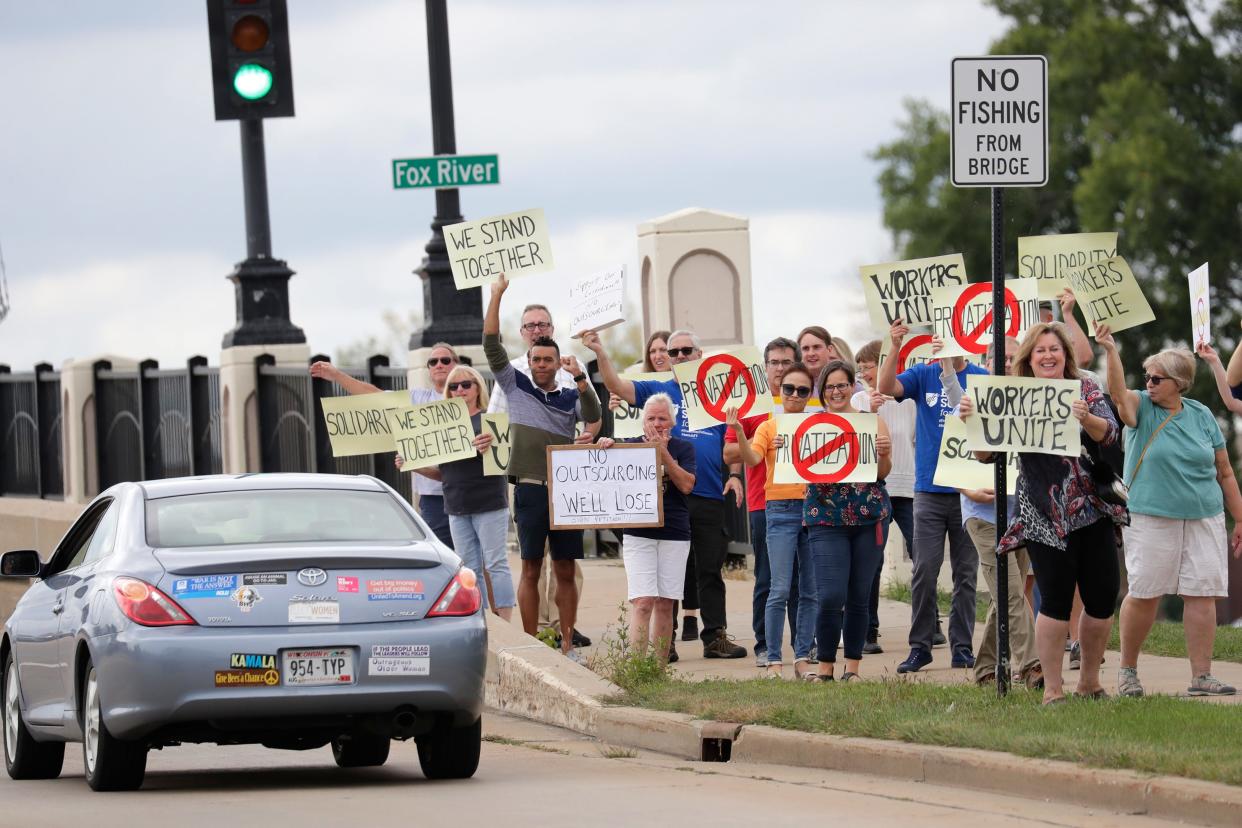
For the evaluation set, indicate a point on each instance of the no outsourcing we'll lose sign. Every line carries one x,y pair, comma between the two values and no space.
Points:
999,121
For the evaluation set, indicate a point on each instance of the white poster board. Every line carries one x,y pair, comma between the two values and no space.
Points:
596,301
1200,306
596,488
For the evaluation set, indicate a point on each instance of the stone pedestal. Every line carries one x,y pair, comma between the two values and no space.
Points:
239,414
79,447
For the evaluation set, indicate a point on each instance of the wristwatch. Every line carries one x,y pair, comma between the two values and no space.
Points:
580,378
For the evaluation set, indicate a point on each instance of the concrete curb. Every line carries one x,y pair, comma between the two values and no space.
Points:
527,678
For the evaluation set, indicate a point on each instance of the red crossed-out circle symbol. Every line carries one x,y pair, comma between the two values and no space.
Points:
737,370
970,339
847,437
911,345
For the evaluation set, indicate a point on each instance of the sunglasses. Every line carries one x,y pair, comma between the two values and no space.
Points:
685,352
790,390
434,361
1151,379
464,384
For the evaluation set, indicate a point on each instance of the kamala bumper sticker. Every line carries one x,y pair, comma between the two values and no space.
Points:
247,678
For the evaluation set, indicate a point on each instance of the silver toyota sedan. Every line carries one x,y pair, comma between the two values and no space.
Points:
292,611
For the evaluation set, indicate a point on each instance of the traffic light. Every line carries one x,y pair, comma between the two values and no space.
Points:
250,69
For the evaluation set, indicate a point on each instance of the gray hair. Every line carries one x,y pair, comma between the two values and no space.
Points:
694,338
535,306
660,399
1177,364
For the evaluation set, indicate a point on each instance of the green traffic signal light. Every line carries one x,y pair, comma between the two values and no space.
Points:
252,81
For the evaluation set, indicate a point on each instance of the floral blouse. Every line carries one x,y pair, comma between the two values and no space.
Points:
1056,494
845,504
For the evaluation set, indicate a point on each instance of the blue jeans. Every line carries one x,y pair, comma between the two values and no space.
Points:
431,509
788,556
763,576
845,561
479,541
903,513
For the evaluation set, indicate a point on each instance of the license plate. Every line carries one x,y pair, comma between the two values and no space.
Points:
310,668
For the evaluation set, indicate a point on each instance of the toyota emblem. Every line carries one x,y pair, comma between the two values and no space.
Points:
312,576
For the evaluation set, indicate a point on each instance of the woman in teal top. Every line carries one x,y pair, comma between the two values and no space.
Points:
1180,482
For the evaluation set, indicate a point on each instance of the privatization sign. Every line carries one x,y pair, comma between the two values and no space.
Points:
515,244
732,378
826,447
445,171
963,315
998,121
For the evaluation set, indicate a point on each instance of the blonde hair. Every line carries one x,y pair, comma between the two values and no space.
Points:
1176,363
1022,359
467,372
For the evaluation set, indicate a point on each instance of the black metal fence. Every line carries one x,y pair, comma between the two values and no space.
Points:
30,434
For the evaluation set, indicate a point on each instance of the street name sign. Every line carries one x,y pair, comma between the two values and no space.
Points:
445,171
999,121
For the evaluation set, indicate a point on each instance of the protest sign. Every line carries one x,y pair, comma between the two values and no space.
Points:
1024,414
732,378
359,424
903,289
962,314
1200,306
957,467
515,245
827,448
1046,258
627,420
432,433
595,488
915,350
1109,294
596,301
496,458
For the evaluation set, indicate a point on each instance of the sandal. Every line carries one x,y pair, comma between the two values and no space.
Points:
1059,700
1094,695
849,676
804,675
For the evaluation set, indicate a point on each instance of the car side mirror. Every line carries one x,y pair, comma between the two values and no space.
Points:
23,563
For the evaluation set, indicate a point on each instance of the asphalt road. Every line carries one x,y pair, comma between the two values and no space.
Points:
530,775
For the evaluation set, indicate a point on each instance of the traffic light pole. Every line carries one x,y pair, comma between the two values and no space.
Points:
261,283
450,315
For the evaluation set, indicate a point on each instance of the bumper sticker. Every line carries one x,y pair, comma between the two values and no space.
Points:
314,612
206,586
247,678
265,579
399,666
346,584
401,650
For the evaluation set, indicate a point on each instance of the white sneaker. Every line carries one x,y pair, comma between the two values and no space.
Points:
576,657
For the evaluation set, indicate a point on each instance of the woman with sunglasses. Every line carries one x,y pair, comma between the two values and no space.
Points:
477,504
786,536
1181,480
846,525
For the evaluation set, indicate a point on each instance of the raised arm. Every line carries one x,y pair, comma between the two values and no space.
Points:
353,386
1127,401
1208,354
1083,355
886,381
744,451
1233,500
614,382
1234,373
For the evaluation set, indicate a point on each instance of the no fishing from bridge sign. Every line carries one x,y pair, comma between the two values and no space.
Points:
719,381
962,314
998,121
827,448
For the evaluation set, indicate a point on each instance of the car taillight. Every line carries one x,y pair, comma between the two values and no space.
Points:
460,597
144,604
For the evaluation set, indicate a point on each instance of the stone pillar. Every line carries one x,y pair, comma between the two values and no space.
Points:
79,446
239,414
695,274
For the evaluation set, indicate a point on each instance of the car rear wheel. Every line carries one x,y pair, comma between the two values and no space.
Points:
110,763
24,758
451,752
364,750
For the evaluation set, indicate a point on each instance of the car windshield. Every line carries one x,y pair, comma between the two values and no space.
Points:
276,516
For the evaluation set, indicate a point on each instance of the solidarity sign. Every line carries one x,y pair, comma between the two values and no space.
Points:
827,448
957,467
1048,258
1024,414
1109,294
714,383
1200,306
962,315
359,424
902,290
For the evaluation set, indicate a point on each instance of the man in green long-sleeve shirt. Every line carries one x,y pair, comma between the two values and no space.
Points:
541,414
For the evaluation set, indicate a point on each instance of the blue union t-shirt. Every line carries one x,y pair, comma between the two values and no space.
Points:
921,383
708,442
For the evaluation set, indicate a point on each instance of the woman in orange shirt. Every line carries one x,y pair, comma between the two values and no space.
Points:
787,537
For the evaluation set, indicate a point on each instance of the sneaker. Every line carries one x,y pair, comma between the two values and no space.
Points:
872,647
917,660
813,655
672,653
938,639
1075,659
580,640
761,660
963,657
576,657
722,647
690,628
1208,685
1128,682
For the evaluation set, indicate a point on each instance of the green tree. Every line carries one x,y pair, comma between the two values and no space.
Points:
1145,131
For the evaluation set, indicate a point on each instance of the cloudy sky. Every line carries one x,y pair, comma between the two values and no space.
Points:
121,202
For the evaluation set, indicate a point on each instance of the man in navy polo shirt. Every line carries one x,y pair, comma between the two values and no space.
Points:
708,542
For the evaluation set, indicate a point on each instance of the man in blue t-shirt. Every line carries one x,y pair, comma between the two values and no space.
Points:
937,511
708,542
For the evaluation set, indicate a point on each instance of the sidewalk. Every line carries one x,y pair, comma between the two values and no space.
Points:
604,592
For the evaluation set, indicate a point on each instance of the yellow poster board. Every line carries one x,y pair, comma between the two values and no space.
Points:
735,377
515,244
1109,294
359,424
963,315
903,289
1047,258
496,458
1024,414
627,420
432,433
957,467
827,448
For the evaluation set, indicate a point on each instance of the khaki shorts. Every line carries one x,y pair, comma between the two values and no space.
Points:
1168,556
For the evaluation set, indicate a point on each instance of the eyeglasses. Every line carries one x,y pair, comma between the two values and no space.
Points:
464,385
837,388
780,363
685,352
434,361
790,390
537,326
1151,379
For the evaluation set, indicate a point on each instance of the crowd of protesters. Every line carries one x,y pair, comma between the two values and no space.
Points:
819,548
